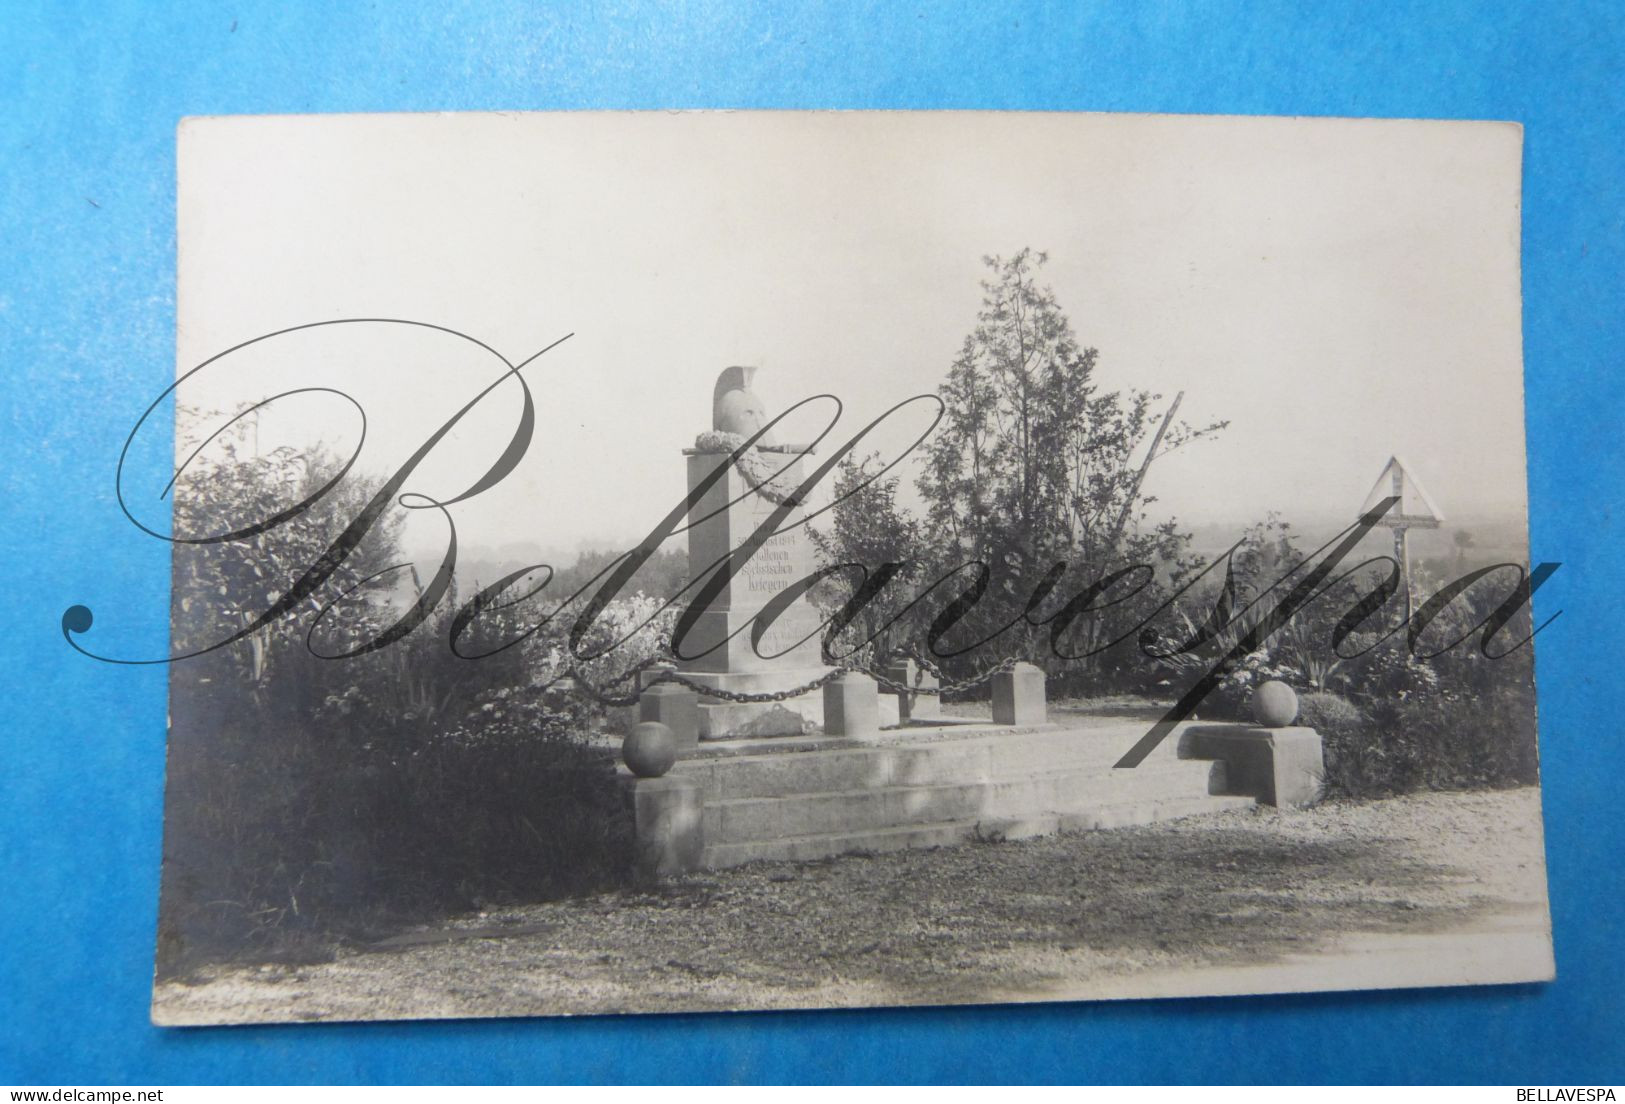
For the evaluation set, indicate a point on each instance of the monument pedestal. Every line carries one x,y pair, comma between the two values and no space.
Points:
721,650
720,719
667,822
1284,767
724,720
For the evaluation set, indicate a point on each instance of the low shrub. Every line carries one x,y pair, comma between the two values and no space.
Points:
287,838
1483,739
1328,713
311,795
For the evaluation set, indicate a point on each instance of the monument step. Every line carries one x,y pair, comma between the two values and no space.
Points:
1127,814
736,819
1121,814
829,844
838,769
1103,745
872,808
976,755
1088,786
824,845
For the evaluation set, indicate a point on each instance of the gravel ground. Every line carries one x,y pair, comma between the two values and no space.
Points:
1428,889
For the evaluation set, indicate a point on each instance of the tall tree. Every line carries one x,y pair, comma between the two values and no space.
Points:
1035,462
869,528
1032,454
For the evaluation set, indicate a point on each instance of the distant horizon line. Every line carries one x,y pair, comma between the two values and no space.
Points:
1304,523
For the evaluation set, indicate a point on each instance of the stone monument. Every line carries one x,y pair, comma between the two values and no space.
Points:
754,486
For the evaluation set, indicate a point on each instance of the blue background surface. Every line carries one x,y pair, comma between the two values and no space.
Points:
91,96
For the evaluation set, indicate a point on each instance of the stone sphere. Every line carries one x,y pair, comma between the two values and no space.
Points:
1275,705
650,749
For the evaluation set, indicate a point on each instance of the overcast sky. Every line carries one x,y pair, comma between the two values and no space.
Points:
1338,289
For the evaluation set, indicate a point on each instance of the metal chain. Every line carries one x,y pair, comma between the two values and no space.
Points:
631,672
737,696
701,688
978,680
925,663
601,694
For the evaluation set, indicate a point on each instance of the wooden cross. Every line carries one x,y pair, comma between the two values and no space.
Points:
1414,510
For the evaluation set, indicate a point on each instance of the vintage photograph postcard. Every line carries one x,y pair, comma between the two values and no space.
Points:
642,562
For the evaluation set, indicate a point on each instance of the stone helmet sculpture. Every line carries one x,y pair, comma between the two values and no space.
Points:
735,408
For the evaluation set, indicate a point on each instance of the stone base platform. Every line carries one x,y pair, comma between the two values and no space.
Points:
810,797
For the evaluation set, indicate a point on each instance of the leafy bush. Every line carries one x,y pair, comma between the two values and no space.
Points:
1454,721
1391,721
1327,712
1476,741
275,835
311,797
513,807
